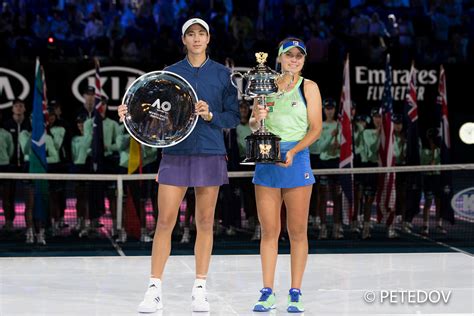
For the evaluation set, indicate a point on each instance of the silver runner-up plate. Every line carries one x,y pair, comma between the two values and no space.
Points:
161,110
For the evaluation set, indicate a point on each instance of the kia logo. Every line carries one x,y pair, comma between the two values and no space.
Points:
114,81
463,202
12,86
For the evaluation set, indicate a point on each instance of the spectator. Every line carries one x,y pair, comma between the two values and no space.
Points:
6,153
80,150
129,50
15,125
59,27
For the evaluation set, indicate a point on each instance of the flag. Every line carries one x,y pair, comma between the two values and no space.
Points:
413,196
97,130
133,203
447,211
135,157
346,153
386,188
38,162
97,193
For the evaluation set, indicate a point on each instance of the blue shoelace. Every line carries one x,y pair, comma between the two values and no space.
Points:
266,292
295,296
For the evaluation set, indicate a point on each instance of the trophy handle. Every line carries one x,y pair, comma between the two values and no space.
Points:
238,74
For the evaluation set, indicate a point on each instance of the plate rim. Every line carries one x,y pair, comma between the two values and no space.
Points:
140,78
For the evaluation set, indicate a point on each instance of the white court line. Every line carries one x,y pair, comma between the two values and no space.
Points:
114,244
442,244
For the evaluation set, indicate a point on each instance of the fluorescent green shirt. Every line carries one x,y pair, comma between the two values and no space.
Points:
358,139
242,132
149,154
111,131
430,157
52,154
400,150
327,141
6,147
371,146
288,117
58,133
314,148
79,150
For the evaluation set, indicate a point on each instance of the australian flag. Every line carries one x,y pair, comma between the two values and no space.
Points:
413,148
386,193
447,211
346,153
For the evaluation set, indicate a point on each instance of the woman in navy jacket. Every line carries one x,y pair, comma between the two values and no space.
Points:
198,161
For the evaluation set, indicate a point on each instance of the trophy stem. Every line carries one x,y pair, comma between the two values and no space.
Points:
261,101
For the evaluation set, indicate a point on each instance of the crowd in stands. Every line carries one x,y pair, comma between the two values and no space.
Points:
430,31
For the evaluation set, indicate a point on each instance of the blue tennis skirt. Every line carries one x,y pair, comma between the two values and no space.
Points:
193,171
297,175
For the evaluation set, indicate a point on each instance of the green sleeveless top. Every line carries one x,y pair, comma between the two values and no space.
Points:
287,115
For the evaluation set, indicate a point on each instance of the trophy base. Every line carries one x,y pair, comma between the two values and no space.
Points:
262,147
246,162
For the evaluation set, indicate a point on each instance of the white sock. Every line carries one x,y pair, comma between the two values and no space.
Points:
200,283
155,281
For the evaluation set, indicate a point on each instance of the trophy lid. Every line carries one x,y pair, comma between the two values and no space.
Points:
261,68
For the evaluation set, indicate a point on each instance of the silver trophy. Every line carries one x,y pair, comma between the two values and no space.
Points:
262,146
160,109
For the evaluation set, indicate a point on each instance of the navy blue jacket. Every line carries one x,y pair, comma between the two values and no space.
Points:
212,84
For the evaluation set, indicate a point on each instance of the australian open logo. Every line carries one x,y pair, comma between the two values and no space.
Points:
159,109
463,203
12,85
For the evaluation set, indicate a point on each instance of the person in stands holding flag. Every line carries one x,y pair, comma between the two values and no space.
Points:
315,201
137,189
370,158
330,145
360,123
52,158
400,151
6,153
248,192
198,161
295,117
80,150
57,199
110,165
430,155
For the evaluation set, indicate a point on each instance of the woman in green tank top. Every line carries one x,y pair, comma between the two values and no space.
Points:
296,118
